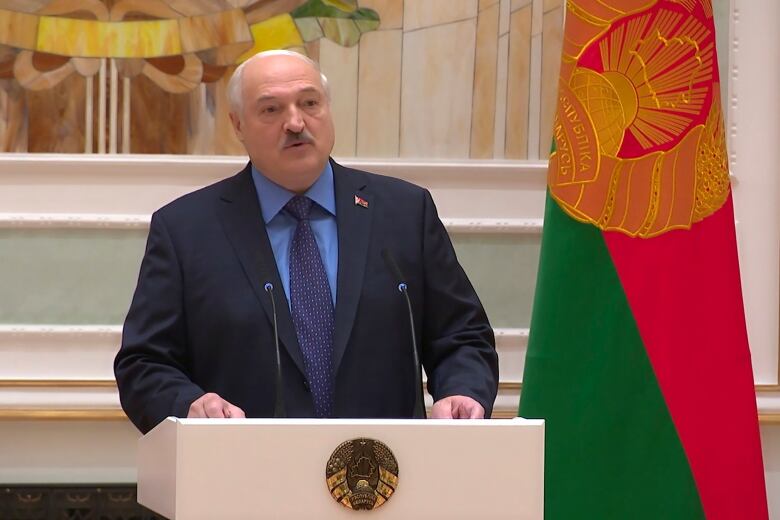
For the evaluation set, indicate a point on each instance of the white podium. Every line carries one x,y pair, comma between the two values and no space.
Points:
271,468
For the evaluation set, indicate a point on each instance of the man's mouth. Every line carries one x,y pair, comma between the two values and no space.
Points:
296,144
297,139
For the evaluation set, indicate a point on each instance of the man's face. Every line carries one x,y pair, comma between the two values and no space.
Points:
286,124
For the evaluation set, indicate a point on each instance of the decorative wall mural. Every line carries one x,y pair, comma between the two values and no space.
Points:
412,78
174,50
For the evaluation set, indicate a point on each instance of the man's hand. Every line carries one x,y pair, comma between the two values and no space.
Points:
212,405
457,407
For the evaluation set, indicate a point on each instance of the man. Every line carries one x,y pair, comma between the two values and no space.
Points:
198,340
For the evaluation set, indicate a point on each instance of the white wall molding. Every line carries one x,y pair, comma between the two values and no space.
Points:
494,226
511,345
753,86
127,186
68,334
768,403
119,170
57,352
73,221
58,398
105,398
731,75
474,197
117,221
70,367
76,449
63,333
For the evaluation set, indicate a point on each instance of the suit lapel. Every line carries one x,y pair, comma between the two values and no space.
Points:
354,225
242,221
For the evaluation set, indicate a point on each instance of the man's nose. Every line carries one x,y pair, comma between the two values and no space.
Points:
294,121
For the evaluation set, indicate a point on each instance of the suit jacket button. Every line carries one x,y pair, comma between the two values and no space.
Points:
306,385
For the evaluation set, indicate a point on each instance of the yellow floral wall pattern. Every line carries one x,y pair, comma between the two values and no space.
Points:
411,78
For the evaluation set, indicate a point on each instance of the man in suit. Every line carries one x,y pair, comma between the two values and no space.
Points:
296,227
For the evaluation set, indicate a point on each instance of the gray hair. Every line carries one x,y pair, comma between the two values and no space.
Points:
235,85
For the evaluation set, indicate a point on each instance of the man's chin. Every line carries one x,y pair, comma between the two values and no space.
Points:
305,165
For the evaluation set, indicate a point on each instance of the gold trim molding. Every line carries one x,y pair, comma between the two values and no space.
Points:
770,419
116,414
57,383
49,414
111,383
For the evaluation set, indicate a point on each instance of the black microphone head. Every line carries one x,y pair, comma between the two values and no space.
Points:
269,287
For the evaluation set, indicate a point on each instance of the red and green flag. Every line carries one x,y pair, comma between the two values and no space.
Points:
638,357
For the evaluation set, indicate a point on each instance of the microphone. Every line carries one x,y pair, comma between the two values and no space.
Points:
279,405
419,403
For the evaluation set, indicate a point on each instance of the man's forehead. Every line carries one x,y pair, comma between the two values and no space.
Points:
282,67
287,73
276,91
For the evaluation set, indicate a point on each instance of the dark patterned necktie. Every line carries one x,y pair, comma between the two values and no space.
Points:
312,307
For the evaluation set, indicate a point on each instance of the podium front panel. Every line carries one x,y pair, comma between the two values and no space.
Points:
262,468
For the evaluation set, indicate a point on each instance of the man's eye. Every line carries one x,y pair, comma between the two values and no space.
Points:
268,110
310,103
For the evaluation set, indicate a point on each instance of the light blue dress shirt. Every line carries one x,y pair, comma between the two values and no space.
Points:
280,225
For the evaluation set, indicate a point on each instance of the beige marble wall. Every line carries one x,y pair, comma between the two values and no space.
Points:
552,37
518,80
379,94
502,79
436,90
437,78
420,14
483,114
448,79
340,65
391,12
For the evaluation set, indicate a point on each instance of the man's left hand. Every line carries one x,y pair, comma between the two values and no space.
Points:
457,407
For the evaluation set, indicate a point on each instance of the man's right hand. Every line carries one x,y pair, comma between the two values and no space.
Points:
212,405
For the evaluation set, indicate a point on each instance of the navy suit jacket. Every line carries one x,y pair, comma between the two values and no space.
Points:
200,320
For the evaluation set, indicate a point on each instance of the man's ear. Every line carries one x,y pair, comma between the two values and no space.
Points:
236,121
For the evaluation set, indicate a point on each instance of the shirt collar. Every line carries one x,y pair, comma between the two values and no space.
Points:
273,197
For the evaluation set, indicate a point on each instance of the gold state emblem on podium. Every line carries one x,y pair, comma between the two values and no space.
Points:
362,473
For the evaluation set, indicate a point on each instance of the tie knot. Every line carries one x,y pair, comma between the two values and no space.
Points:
299,207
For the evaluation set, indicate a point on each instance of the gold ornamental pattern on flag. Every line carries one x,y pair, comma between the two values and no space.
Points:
639,134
